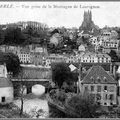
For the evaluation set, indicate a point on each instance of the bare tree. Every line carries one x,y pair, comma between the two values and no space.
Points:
22,88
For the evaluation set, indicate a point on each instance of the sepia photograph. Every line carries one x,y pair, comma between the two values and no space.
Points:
59,59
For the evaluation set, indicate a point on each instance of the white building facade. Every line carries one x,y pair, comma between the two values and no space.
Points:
24,57
90,57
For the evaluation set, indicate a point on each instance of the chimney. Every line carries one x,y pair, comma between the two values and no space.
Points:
90,16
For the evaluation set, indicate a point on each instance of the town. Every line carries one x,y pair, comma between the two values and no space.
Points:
76,70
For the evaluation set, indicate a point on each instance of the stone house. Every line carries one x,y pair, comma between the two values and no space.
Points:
6,87
102,86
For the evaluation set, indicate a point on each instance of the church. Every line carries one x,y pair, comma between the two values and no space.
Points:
88,26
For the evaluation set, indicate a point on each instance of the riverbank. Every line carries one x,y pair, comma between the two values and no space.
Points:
11,111
35,106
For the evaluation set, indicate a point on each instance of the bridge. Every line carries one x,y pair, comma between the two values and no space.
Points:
30,76
28,83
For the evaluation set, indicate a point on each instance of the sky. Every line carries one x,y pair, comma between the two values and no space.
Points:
57,14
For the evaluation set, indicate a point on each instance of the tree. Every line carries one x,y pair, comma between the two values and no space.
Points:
14,36
114,56
33,32
21,77
12,62
83,105
1,36
22,88
61,73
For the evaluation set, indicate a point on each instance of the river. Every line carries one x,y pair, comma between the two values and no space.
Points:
31,107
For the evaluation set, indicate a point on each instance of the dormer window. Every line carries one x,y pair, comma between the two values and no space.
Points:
92,79
105,79
98,79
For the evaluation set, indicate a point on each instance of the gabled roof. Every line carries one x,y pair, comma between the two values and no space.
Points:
97,75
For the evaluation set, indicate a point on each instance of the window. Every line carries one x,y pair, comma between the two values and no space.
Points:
105,88
111,88
111,97
105,103
98,103
86,88
102,59
98,96
92,88
98,79
3,99
98,88
93,96
106,96
111,103
106,59
105,79
92,79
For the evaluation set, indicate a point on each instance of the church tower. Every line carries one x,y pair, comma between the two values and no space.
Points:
87,16
88,25
90,16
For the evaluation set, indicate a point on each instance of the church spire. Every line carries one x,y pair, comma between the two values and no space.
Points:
87,24
84,15
90,15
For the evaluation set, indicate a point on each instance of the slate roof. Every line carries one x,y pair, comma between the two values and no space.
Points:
5,82
97,75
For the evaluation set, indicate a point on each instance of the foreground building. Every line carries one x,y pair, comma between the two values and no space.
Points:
6,87
102,86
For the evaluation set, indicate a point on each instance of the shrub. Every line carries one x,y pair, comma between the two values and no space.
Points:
69,87
61,96
58,95
84,105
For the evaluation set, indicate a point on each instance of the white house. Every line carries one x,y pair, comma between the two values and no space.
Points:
56,39
24,56
90,57
72,59
81,48
6,87
112,44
